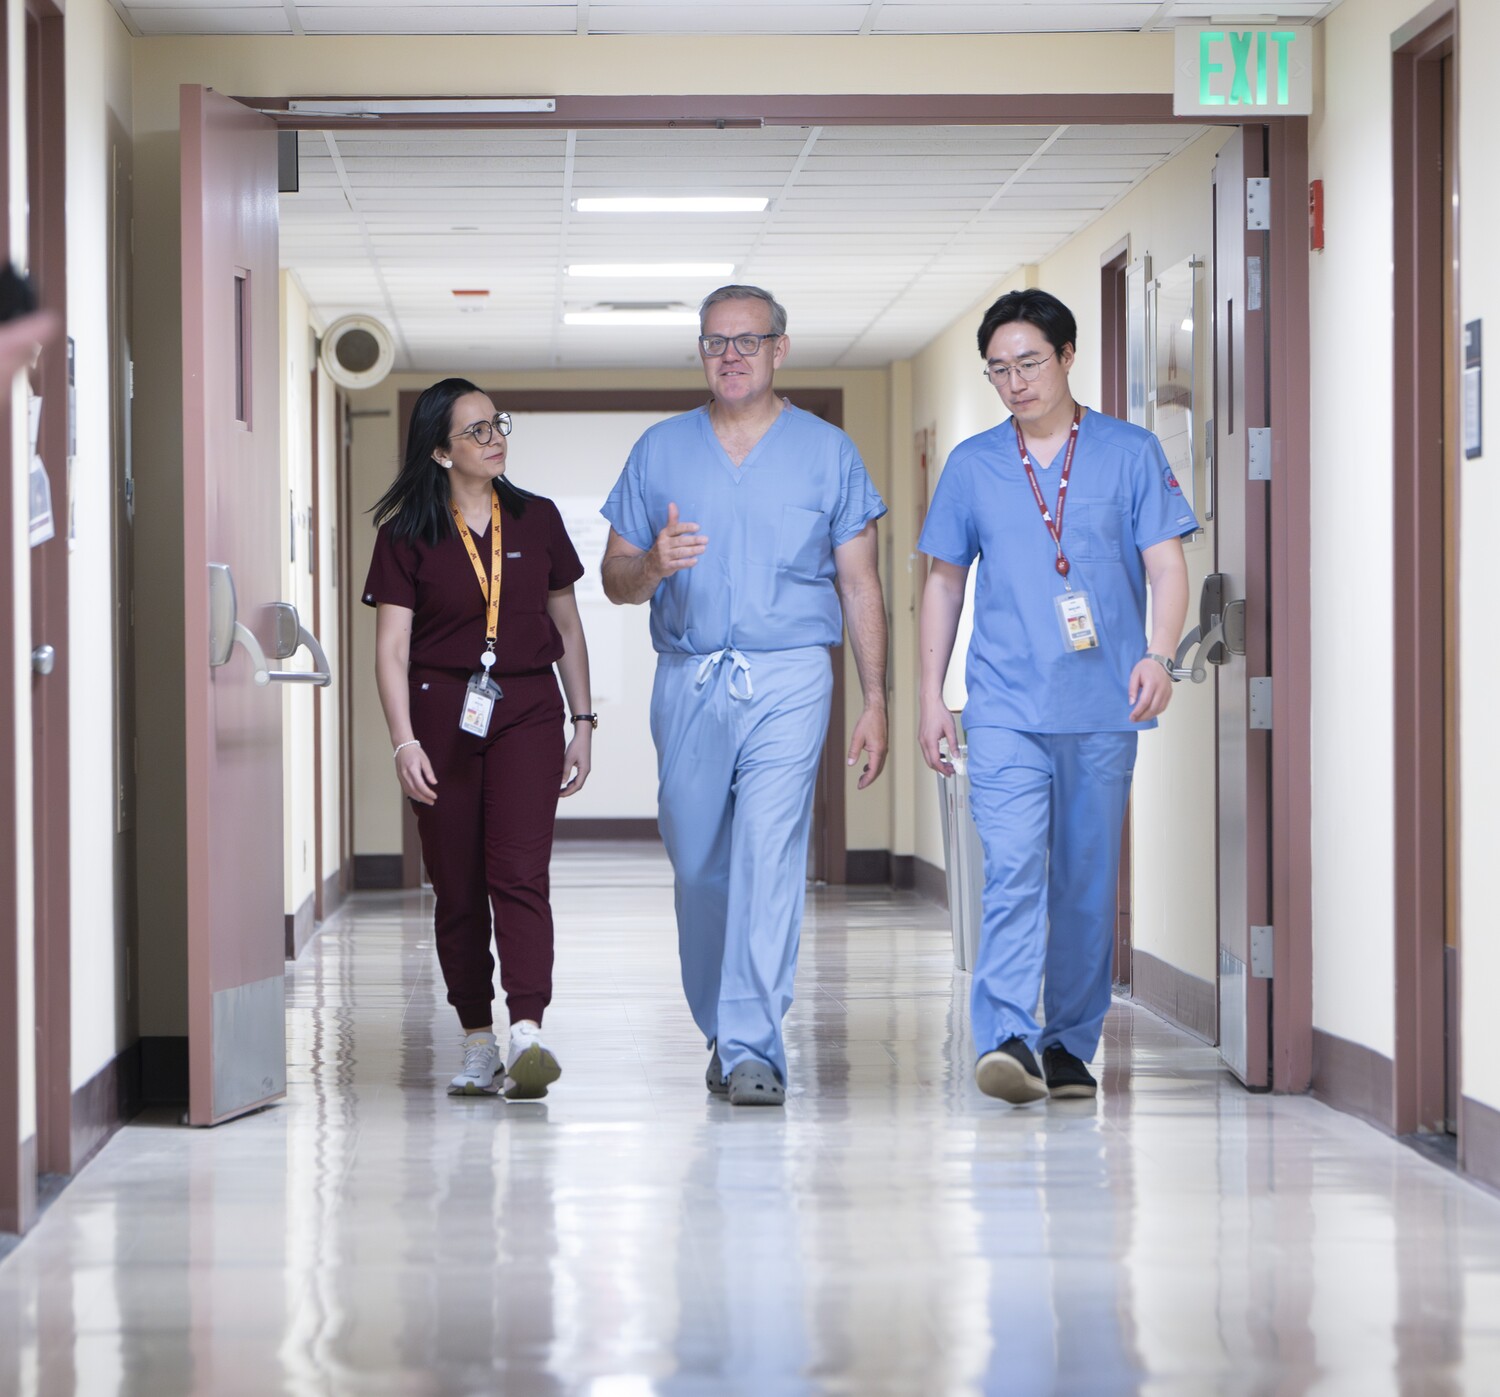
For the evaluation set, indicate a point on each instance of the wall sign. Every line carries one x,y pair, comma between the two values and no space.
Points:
1264,70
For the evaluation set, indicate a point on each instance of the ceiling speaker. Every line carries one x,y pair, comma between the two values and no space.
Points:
357,352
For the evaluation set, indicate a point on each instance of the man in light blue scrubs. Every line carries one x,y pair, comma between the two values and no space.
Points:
745,523
1070,514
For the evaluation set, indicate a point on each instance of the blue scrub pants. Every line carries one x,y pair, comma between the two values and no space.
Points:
738,739
1049,808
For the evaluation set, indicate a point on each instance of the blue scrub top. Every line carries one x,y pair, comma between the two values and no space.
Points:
766,579
1122,498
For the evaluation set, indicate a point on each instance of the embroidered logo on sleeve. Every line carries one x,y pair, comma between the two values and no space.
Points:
1170,481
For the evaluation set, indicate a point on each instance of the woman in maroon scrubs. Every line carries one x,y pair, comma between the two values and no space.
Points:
472,582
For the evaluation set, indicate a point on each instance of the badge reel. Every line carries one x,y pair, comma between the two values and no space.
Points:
479,698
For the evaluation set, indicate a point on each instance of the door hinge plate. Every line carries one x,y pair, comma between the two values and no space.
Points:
1260,704
1258,466
1262,952
1257,204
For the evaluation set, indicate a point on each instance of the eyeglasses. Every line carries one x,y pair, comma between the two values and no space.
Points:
484,432
746,345
1029,369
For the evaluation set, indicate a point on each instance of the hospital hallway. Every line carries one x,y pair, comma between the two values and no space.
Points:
891,1231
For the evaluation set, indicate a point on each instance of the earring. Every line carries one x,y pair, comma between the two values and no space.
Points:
446,465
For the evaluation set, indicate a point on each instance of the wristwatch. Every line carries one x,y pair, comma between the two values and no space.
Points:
1164,661
592,719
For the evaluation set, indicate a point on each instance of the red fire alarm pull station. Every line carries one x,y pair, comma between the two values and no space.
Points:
1315,215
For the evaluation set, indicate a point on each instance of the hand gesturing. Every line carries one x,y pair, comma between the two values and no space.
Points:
679,545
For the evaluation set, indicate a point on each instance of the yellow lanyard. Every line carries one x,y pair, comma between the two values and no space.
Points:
490,588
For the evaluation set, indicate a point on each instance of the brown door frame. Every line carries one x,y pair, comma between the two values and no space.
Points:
343,513
1287,376
829,838
17,1163
1422,438
1113,265
315,567
46,144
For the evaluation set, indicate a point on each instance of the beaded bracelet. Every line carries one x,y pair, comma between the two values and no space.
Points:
401,745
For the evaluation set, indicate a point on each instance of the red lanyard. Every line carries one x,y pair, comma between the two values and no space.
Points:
1053,527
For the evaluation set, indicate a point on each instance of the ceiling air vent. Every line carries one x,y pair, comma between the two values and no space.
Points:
357,352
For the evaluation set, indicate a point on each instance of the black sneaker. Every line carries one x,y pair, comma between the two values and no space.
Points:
1011,1073
1066,1074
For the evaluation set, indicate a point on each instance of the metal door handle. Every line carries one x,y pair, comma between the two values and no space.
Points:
43,658
226,631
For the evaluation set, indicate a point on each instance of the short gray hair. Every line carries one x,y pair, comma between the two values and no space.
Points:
746,293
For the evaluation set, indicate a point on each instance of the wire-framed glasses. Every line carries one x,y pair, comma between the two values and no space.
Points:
1029,369
484,432
746,345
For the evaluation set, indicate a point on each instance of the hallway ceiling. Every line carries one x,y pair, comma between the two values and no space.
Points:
875,238
155,17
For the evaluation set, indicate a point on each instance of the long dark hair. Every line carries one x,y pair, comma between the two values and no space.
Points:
419,500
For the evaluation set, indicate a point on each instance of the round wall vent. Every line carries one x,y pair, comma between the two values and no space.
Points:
357,352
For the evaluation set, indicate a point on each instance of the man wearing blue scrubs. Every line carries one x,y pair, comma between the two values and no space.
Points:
744,524
1070,513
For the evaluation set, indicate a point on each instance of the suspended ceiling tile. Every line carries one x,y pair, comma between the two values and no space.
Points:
155,21
435,19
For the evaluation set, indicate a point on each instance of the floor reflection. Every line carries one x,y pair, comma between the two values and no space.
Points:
891,1231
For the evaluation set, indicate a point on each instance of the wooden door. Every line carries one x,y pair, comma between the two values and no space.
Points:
231,516
1241,283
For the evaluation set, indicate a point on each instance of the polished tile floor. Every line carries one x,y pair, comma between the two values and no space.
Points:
891,1231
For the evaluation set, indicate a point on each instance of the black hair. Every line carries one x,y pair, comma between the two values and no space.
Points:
419,500
1039,308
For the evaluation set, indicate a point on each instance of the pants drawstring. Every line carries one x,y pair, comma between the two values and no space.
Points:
739,665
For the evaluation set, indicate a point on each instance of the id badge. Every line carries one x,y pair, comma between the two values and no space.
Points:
1076,619
479,703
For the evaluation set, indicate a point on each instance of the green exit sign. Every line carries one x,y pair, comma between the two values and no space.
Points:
1226,70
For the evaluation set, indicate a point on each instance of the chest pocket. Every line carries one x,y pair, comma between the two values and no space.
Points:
524,577
803,541
1093,531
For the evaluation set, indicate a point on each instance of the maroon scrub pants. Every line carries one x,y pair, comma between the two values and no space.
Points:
487,842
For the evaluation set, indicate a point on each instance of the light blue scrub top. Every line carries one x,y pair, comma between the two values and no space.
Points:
1122,498
765,581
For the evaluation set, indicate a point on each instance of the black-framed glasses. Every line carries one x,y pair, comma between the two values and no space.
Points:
1029,368
747,345
484,432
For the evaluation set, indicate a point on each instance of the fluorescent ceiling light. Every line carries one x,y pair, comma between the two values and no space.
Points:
665,269
425,106
693,204
631,317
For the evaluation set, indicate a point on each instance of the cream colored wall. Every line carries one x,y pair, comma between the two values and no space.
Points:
298,816
19,598
329,630
1479,217
1168,217
1351,308
98,99
376,453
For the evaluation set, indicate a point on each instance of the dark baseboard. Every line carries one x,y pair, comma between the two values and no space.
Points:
104,1103
164,1071
903,872
1479,1142
930,880
333,894
1351,1077
606,829
1179,998
16,1220
868,867
300,926
378,872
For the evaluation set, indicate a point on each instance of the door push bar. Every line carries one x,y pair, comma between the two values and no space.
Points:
1220,632
288,635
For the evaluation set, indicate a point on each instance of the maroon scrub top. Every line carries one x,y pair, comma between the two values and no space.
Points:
437,584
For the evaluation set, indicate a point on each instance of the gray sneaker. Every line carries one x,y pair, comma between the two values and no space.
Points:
481,1066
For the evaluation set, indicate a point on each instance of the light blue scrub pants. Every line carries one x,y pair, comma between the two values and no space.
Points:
737,744
1049,808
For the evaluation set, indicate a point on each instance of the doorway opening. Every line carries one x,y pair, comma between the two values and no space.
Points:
1428,441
